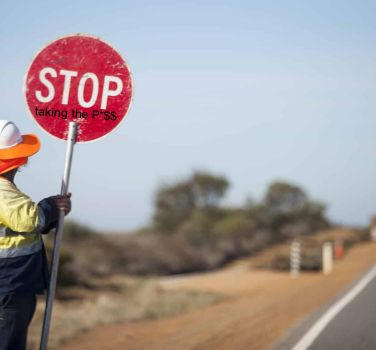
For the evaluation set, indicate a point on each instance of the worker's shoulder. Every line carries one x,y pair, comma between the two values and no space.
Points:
9,190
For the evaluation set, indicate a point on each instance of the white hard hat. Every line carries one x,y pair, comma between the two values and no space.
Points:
9,134
13,144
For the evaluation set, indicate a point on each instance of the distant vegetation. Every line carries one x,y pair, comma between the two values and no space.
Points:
191,231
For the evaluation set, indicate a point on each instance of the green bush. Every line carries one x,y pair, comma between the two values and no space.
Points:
74,231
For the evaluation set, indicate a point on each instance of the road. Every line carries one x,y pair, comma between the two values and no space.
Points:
348,323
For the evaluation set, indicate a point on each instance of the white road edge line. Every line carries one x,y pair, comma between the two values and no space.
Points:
324,320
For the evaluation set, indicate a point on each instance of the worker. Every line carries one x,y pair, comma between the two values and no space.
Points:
23,263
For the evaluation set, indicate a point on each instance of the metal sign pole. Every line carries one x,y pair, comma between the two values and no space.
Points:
72,135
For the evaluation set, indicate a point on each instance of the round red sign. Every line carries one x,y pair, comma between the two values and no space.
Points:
78,78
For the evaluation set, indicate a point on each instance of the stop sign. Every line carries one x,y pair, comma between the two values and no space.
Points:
82,79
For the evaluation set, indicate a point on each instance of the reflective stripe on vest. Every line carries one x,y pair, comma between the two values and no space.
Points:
14,244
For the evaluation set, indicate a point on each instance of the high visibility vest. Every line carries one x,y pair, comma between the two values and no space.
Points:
19,217
23,262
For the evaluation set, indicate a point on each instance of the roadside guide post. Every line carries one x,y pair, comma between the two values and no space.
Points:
295,256
327,258
77,88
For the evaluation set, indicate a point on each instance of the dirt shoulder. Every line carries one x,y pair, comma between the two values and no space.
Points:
260,308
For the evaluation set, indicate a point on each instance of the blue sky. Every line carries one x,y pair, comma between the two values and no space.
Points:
255,91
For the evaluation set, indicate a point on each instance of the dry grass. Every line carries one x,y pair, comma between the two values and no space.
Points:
120,299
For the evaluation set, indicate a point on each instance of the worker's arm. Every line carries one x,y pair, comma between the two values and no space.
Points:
48,211
48,215
19,213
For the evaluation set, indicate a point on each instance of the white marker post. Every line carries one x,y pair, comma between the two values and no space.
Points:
72,135
327,258
295,258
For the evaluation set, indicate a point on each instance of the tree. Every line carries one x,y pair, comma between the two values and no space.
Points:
284,198
291,212
207,189
175,203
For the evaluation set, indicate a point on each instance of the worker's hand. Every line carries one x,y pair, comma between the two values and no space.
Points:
63,202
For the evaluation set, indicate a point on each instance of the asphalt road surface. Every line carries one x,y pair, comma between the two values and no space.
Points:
349,323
